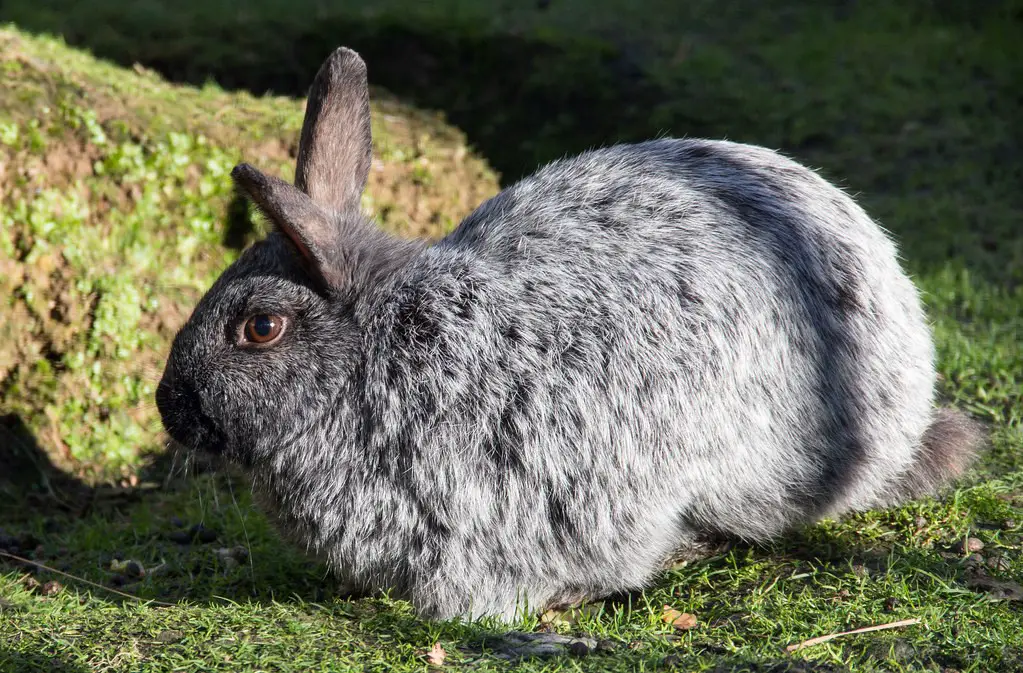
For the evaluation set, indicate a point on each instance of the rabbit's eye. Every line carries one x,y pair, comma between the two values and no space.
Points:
263,329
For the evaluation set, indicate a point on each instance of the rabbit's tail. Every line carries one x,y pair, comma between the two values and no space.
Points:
947,449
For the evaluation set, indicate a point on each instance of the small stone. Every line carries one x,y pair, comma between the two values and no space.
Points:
579,648
968,546
920,522
843,593
998,563
240,553
31,583
1009,524
891,603
671,661
902,651
975,559
134,569
202,534
180,537
606,645
51,588
170,636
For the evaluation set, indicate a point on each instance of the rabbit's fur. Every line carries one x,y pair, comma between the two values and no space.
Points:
628,349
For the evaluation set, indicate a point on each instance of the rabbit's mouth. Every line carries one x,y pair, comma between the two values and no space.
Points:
196,432
186,423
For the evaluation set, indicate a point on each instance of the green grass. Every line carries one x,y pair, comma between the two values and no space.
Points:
116,212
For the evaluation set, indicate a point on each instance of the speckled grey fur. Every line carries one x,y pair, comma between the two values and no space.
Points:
628,349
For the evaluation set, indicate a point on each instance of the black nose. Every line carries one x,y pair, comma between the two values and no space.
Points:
180,409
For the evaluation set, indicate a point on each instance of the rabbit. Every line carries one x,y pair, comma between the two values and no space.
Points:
615,357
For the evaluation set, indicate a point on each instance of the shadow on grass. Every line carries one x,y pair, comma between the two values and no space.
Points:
87,535
23,662
139,526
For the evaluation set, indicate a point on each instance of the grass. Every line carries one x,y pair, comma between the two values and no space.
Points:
116,212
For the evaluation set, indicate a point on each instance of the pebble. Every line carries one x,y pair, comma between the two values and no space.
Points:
970,545
579,648
999,563
134,569
920,522
891,603
180,536
233,556
197,533
170,636
51,588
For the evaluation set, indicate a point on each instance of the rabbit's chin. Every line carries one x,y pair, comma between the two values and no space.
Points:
200,439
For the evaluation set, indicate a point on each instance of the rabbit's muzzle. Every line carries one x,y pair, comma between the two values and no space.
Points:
181,412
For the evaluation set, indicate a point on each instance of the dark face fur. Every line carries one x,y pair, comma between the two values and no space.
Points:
263,349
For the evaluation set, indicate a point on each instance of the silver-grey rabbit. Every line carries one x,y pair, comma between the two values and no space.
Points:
627,350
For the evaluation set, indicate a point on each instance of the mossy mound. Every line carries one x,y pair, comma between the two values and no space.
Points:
117,211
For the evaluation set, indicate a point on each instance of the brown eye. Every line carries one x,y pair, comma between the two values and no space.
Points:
263,329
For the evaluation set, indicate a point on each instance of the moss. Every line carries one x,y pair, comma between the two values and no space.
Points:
118,211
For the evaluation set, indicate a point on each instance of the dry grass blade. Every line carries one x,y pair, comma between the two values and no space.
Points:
823,639
47,568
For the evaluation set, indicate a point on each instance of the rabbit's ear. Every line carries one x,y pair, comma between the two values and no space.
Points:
335,149
311,229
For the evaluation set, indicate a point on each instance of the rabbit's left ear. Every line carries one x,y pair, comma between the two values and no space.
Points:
335,149
313,231
334,155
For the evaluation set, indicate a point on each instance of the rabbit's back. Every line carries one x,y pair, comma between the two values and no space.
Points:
671,336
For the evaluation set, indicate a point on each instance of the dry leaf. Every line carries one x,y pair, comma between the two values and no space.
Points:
553,617
682,621
436,655
556,617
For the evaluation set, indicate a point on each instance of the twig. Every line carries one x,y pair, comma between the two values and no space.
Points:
865,629
84,581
